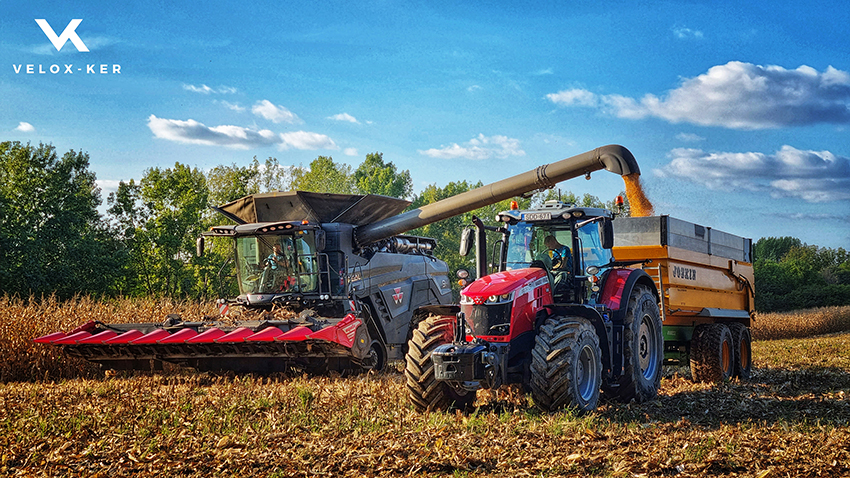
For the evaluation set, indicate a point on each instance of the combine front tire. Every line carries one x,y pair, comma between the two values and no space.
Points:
643,349
424,391
712,353
566,365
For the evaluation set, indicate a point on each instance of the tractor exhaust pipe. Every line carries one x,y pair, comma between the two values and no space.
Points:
614,158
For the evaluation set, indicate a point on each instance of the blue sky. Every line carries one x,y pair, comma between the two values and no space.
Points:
738,112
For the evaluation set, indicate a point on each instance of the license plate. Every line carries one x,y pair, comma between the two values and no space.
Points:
537,216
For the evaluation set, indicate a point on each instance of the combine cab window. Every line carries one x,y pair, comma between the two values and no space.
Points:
277,264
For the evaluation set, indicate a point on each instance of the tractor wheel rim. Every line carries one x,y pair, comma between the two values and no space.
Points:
586,373
648,348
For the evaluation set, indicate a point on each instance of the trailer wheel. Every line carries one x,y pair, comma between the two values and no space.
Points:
742,345
695,353
715,353
643,350
566,365
424,391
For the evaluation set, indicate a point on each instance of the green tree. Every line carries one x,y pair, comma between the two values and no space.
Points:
52,239
227,183
323,175
160,219
373,176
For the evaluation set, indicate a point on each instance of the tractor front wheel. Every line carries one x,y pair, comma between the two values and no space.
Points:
566,365
426,393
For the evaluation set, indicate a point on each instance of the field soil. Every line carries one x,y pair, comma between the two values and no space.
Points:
791,419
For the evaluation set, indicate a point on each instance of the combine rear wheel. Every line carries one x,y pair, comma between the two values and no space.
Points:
424,391
643,348
742,346
712,353
566,365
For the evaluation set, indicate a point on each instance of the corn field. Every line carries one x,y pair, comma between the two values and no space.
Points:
65,418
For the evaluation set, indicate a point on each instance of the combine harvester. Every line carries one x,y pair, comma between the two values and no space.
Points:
563,318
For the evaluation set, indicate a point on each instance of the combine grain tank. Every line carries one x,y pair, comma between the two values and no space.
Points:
705,280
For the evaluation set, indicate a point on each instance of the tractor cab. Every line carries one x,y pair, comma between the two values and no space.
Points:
568,242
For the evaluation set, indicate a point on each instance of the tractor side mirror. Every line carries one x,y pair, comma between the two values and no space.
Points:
466,241
606,233
199,247
320,241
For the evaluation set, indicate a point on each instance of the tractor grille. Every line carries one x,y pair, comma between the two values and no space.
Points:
491,319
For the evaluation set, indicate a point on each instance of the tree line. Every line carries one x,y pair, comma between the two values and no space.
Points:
54,240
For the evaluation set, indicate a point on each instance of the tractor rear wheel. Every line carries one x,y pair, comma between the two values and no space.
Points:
424,391
643,350
742,346
566,365
712,353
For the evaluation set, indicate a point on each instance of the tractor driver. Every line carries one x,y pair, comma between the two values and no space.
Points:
558,260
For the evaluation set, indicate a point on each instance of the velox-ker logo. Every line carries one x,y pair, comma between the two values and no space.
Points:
70,33
59,41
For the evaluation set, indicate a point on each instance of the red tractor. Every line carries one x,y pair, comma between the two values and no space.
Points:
559,316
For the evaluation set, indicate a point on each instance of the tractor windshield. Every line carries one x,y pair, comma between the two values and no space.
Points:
277,264
548,244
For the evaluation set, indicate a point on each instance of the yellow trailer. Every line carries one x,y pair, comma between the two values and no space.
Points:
704,279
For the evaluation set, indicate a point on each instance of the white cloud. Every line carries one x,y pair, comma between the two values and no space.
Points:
231,106
25,127
689,137
193,132
306,140
481,147
473,88
344,117
574,97
735,95
206,90
813,176
684,32
274,113
350,152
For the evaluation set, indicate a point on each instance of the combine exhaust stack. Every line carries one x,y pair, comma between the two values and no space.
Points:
335,283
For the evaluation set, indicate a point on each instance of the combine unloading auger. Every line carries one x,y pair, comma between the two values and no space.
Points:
343,291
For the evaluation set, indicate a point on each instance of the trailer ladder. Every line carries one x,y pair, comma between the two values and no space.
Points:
658,278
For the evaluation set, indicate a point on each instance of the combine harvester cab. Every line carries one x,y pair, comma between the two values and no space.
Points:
319,302
705,280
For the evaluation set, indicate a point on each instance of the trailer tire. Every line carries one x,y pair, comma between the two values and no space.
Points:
742,344
425,392
716,355
566,365
643,350
695,353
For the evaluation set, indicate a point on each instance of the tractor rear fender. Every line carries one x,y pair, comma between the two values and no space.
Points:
589,313
617,287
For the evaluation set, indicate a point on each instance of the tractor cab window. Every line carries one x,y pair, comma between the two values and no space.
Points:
277,264
592,252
